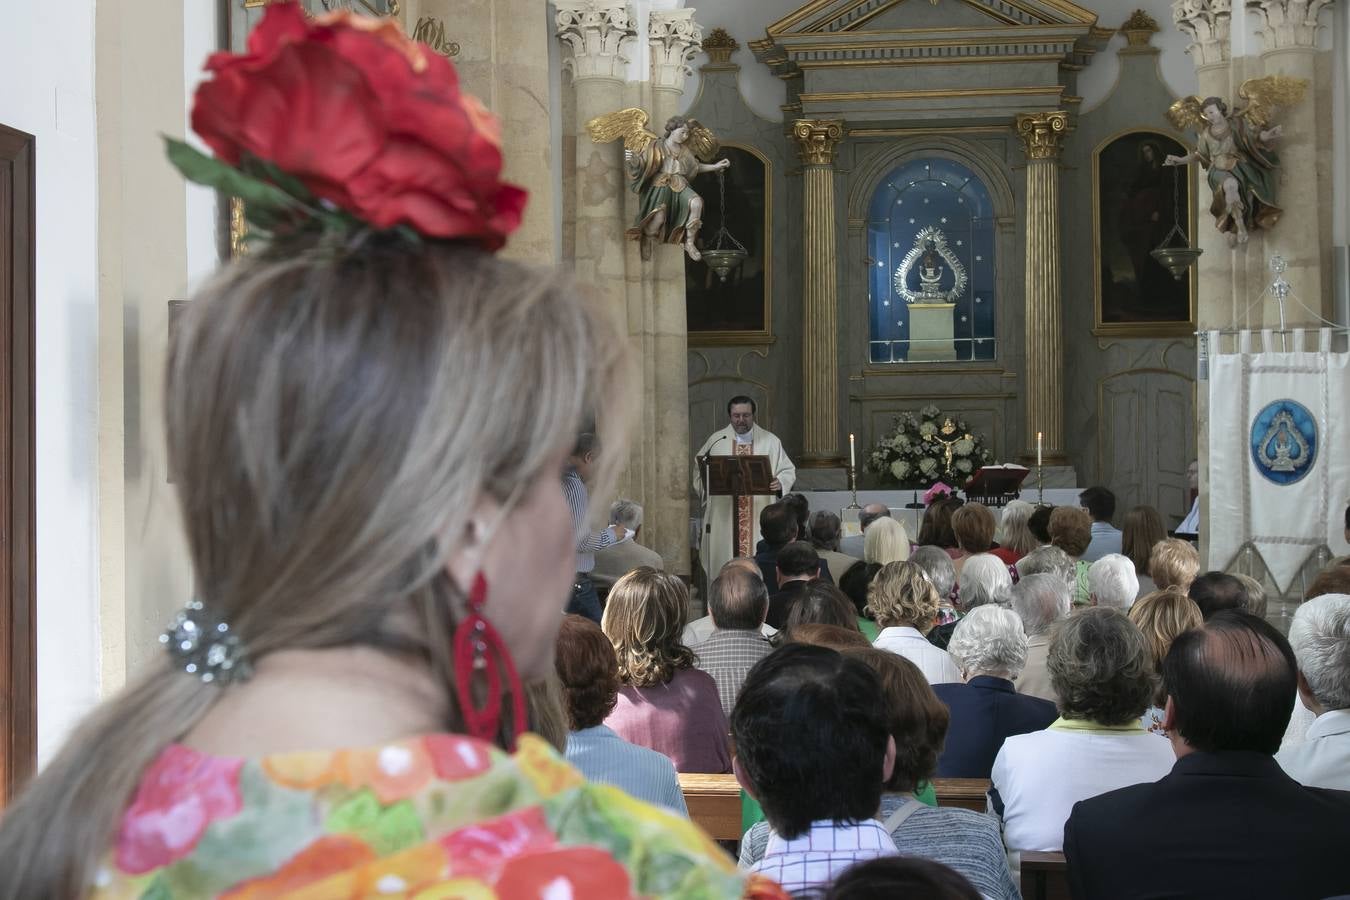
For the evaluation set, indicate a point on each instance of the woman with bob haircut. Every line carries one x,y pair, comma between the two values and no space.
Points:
962,839
367,419
904,603
665,703
1104,680
1141,531
1162,617
588,671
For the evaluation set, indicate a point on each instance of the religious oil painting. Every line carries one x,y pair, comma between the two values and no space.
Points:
732,307
1139,205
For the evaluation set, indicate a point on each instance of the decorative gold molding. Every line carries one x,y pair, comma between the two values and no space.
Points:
238,229
930,94
920,131
1041,132
719,45
431,31
1139,28
930,61
816,139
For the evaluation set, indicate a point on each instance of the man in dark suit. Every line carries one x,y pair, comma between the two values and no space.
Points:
1227,822
797,566
778,528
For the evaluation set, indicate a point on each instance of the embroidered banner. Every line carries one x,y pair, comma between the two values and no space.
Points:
1279,473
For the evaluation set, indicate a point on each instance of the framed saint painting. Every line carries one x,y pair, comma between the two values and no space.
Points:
1136,204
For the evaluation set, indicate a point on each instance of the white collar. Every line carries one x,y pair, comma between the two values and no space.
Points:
1330,723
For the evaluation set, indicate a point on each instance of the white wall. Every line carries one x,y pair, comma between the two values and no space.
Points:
47,68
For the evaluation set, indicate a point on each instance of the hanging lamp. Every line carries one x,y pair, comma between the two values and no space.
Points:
722,258
1176,259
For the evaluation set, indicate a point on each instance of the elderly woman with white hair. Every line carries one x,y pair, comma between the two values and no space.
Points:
1040,601
1320,636
983,579
990,648
1112,582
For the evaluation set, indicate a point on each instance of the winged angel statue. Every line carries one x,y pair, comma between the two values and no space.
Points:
659,170
1235,148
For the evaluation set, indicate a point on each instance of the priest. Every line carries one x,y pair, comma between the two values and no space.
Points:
740,438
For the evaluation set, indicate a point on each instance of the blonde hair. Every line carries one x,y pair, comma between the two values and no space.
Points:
333,415
1162,616
644,616
885,541
901,594
1013,533
1173,563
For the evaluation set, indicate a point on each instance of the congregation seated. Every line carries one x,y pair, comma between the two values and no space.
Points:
1103,682
852,545
697,631
1048,560
617,560
1225,821
1112,582
797,567
821,604
936,528
777,529
824,534
1320,638
983,579
1071,531
1142,530
973,526
1214,592
990,648
801,513
1041,601
1173,563
937,565
738,601
1013,535
589,673
665,702
812,748
1100,505
1161,617
901,876
831,636
965,840
904,603
885,541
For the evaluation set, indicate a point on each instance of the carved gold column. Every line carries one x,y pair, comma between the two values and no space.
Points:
1041,134
816,142
1290,34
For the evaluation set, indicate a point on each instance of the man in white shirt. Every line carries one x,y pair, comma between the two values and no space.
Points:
617,560
812,747
1100,504
1320,636
734,531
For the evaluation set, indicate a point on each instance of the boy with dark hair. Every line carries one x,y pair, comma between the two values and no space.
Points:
795,567
1100,504
812,747
1214,592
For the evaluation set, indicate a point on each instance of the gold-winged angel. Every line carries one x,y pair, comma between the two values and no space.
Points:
659,172
1235,147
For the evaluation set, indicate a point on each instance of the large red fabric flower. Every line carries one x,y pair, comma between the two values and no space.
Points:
366,119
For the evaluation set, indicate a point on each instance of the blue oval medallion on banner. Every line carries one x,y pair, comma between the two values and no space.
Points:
1284,441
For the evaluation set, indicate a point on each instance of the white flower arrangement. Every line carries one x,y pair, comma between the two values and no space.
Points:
926,447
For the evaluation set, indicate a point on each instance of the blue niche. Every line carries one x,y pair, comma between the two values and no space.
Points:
939,193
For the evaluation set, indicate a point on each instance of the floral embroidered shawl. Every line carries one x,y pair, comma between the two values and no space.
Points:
434,817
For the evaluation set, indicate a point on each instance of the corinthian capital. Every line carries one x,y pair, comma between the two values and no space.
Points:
1207,24
596,31
1290,23
816,139
674,37
1041,133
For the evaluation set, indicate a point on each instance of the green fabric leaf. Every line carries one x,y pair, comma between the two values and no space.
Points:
264,203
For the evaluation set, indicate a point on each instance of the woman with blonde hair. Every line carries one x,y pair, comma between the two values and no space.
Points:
1142,530
904,603
1173,563
665,703
1162,616
366,420
885,541
1013,534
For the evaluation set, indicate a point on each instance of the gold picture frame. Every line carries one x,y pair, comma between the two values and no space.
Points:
1111,316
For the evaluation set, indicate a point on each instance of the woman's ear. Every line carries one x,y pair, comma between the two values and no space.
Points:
469,545
888,762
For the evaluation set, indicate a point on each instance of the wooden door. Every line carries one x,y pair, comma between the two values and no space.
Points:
18,712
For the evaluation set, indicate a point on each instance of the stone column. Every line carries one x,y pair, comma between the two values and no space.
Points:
500,48
673,38
1041,134
1290,34
817,139
1218,300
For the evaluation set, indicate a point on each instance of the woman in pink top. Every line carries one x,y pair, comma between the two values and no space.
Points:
665,703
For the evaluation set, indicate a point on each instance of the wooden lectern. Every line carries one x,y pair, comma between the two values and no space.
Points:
736,477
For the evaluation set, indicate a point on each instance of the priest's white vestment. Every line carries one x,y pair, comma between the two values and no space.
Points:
717,543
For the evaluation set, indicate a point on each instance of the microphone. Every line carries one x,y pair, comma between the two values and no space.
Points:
712,445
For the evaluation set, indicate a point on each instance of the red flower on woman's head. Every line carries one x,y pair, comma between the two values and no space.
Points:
365,119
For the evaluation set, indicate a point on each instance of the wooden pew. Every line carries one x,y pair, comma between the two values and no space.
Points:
966,793
1044,876
714,801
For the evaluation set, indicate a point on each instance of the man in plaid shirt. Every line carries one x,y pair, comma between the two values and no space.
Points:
738,602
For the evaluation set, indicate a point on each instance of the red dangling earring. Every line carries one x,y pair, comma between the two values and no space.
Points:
479,648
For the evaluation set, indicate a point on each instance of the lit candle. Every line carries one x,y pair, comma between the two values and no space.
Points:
1038,449
852,462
